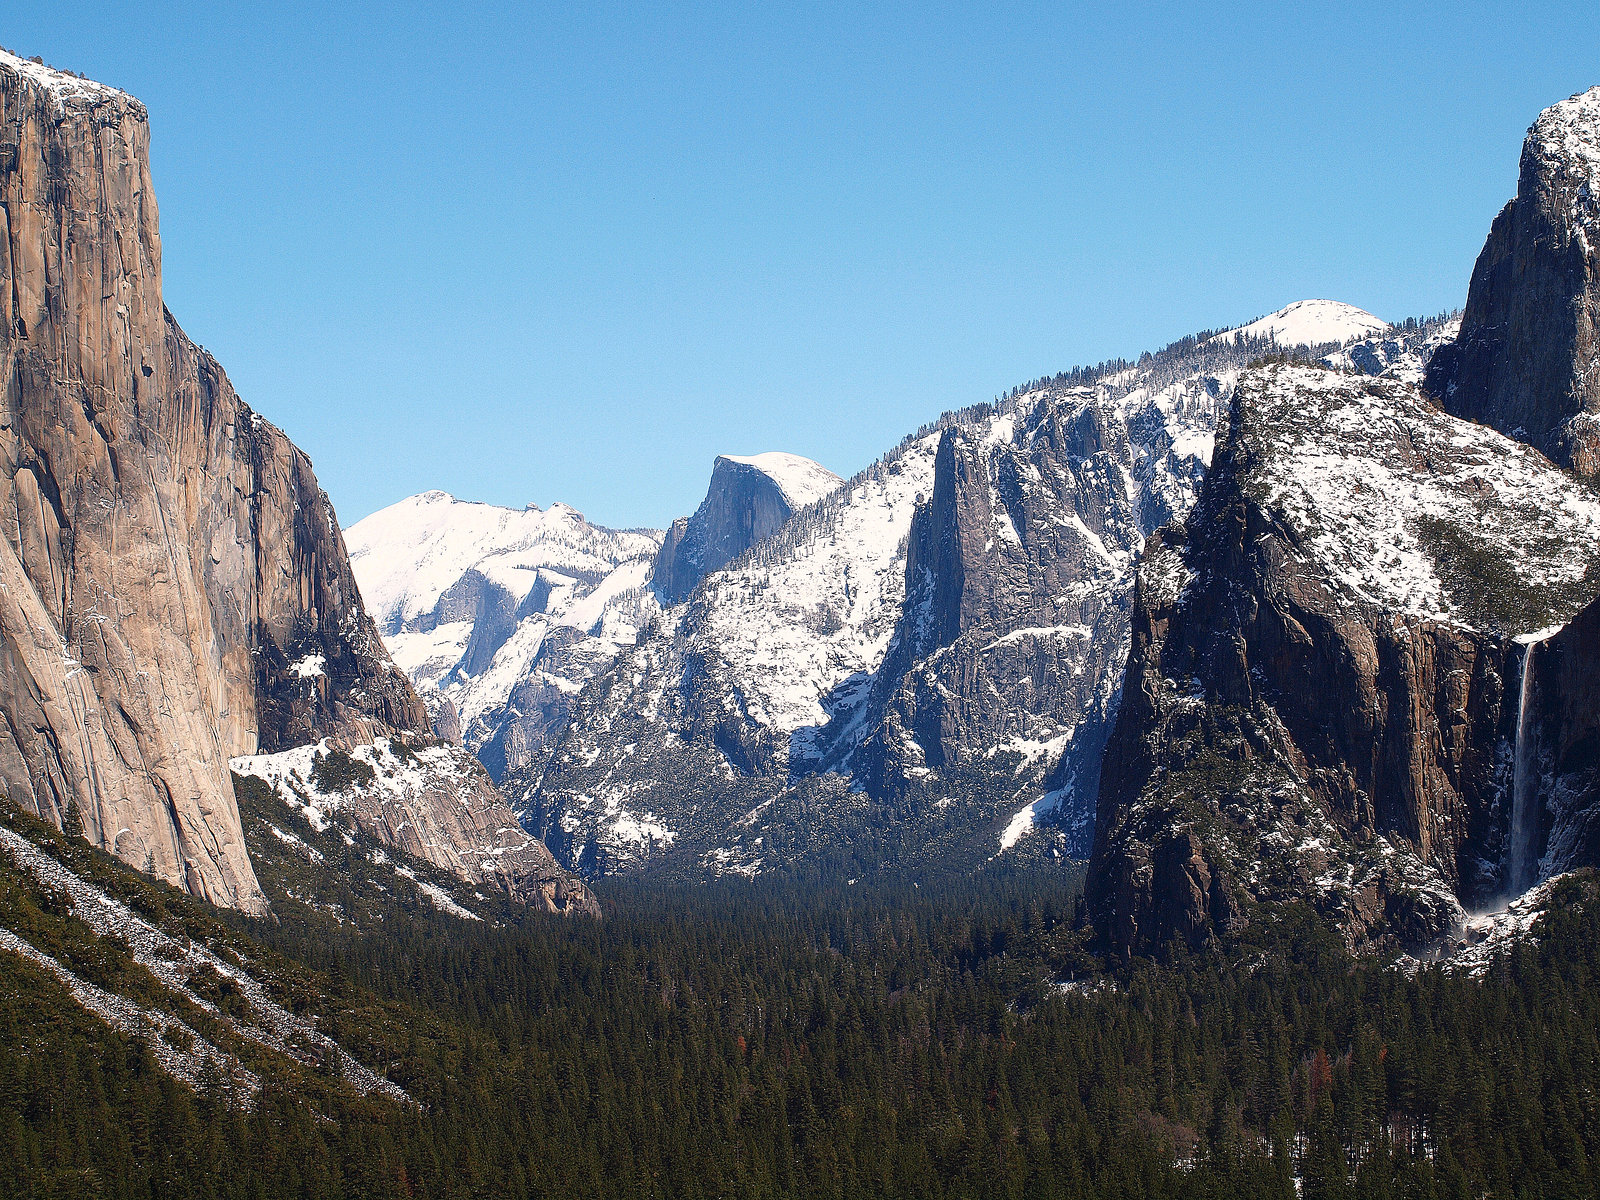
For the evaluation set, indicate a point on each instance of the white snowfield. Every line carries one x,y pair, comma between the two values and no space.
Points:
560,573
799,479
1361,467
407,555
1312,323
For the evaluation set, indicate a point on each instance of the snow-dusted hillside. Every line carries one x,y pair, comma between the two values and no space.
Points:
433,801
1370,478
802,660
499,615
172,982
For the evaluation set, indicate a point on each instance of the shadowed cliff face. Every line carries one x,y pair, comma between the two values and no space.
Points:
1527,361
745,503
1321,696
174,589
1563,755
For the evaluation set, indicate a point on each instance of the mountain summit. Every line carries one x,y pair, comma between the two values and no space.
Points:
747,500
1311,323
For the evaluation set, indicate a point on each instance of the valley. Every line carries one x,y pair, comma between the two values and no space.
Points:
1176,776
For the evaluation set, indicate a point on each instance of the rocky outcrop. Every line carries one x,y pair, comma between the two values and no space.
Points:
1561,758
1015,624
747,501
1321,692
432,801
1527,361
174,588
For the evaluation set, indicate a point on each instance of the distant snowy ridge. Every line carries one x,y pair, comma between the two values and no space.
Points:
1311,323
498,615
407,555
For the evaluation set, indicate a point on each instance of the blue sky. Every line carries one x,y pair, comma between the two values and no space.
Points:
528,253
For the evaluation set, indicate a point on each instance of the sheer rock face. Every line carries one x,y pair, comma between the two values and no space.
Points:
748,500
174,589
1322,691
1527,361
1564,757
1018,573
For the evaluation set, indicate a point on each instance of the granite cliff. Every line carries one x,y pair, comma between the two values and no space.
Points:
1527,361
174,588
747,501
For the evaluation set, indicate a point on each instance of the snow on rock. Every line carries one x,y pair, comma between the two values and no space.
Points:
1566,138
1030,816
1485,936
799,479
1364,469
1311,323
804,612
408,555
431,801
309,667
63,87
173,962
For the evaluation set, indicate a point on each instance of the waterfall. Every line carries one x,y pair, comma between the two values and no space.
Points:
1522,866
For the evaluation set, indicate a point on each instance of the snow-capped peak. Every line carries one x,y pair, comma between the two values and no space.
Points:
1312,323
1567,137
799,479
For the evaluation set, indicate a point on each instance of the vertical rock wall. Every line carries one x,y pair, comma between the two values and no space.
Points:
173,587
1527,360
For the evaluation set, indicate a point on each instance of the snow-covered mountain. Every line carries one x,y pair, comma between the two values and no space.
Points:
1311,323
500,615
936,646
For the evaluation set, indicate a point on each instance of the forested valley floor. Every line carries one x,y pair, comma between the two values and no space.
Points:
770,1039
